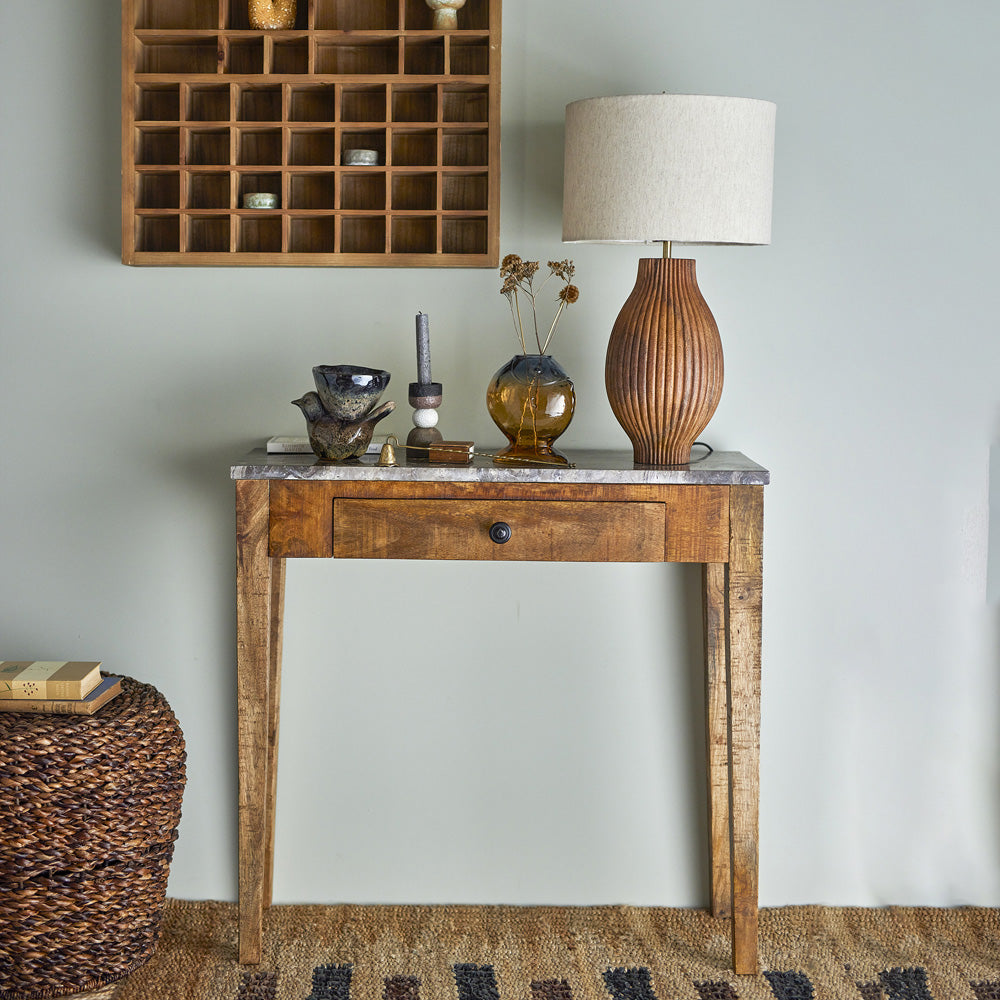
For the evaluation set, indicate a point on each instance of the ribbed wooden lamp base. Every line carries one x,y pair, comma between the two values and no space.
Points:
664,366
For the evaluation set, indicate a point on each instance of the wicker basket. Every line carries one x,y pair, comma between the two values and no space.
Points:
89,807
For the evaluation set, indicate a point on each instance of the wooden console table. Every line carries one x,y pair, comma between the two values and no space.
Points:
602,510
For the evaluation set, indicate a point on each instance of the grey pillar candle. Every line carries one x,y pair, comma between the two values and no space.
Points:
423,349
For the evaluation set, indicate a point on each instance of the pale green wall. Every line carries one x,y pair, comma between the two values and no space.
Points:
549,749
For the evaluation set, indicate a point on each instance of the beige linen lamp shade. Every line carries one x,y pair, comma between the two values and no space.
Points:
676,168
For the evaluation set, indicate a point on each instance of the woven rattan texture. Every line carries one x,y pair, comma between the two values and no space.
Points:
571,953
89,807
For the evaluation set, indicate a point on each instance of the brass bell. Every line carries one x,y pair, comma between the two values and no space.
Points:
387,456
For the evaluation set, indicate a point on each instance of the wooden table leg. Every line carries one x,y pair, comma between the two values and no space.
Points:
253,665
744,578
713,580
273,705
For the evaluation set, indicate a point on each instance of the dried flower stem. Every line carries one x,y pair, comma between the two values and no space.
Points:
518,328
534,317
562,305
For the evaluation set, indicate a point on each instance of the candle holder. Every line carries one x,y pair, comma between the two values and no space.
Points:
425,398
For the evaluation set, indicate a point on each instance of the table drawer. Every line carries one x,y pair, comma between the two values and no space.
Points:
549,530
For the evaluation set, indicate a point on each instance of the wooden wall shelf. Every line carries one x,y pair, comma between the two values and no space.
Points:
212,110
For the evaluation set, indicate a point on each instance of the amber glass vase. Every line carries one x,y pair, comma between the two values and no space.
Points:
271,14
531,399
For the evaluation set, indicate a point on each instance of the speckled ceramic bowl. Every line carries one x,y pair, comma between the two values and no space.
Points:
348,392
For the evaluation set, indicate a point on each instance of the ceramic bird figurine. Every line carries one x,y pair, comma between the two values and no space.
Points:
311,407
334,439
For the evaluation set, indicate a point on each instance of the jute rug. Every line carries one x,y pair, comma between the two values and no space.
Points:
592,953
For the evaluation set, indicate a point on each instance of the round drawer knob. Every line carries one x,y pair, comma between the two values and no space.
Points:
500,532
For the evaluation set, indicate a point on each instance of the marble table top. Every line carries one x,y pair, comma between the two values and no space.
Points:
589,466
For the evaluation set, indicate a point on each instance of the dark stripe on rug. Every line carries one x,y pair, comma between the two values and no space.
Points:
790,985
906,984
401,988
986,991
720,990
629,984
258,986
870,991
551,989
331,982
476,982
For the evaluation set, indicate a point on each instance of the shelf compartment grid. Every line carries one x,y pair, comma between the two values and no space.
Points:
213,110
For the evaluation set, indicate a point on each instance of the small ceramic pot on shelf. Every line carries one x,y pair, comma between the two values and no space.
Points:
445,13
271,15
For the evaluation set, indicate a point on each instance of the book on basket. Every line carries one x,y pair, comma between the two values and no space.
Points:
48,678
101,695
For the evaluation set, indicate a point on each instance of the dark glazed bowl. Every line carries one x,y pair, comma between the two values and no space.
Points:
348,392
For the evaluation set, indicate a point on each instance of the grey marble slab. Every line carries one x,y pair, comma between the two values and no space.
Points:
607,467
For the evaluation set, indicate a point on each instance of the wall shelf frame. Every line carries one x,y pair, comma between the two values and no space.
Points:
213,110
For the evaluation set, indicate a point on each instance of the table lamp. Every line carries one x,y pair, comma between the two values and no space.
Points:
670,168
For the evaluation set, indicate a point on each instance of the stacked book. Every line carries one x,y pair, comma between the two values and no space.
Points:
285,444
58,687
